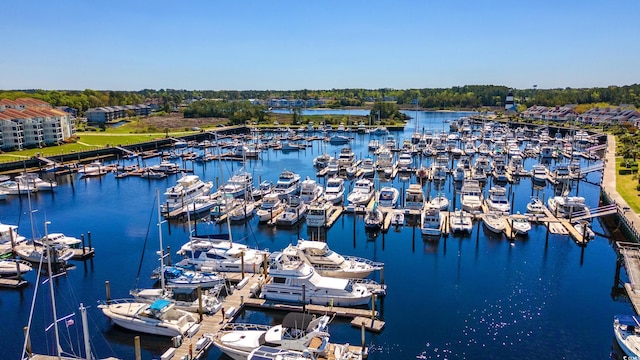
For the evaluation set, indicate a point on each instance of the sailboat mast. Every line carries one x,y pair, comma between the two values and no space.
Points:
85,332
53,298
161,252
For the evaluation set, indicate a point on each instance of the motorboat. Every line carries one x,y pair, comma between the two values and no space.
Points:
535,206
497,200
321,161
59,239
561,173
263,189
440,201
414,197
539,173
460,221
362,193
298,332
294,211
626,329
567,206
13,267
339,140
319,213
12,187
218,253
332,167
494,222
373,145
33,181
584,228
158,318
388,197
327,262
187,189
238,185
430,222
177,276
271,207
34,253
471,196
385,159
288,184
310,190
222,205
373,218
346,158
9,237
287,275
243,209
520,224
405,162
397,217
184,298
94,168
368,168
334,191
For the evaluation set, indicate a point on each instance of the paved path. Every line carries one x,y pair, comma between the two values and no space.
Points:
609,183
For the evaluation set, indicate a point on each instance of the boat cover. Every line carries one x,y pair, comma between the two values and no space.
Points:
159,304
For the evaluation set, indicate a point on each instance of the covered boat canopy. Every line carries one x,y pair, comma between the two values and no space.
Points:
159,304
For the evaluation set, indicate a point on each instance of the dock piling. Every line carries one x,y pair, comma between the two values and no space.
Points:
136,341
84,248
108,291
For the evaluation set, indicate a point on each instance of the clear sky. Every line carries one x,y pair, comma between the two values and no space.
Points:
281,45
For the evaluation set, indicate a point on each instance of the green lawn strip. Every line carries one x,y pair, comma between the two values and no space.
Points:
626,187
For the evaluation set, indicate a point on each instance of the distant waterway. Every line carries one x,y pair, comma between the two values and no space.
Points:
460,297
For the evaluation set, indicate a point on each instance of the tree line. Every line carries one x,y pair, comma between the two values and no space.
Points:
457,97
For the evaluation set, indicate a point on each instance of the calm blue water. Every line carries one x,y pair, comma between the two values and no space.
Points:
475,297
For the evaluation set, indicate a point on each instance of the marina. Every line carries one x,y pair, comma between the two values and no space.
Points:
490,291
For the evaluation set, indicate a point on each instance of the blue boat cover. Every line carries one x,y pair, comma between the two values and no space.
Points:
628,320
159,304
172,272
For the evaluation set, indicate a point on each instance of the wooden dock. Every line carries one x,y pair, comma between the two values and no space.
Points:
83,253
334,214
12,283
368,323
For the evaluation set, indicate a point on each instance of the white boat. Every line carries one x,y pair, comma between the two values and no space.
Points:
368,168
95,168
373,145
520,224
148,173
626,329
288,184
158,318
271,207
385,159
11,187
166,167
32,180
471,196
539,173
346,158
497,200
310,190
184,298
494,222
430,222
263,189
187,189
461,221
177,276
327,262
296,333
388,197
288,275
13,267
238,185
380,130
397,217
321,161
405,162
414,197
567,206
373,218
294,211
362,193
219,253
243,210
584,228
319,213
535,206
440,201
34,253
339,140
332,167
334,191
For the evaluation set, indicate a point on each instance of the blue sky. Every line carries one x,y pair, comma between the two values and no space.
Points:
280,45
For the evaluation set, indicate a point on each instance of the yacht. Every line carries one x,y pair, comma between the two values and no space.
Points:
414,197
13,267
385,159
298,332
14,188
535,206
271,207
183,277
334,191
288,275
321,161
242,210
461,221
374,144
34,182
238,185
158,318
430,221
497,200
310,190
390,141
567,206
520,224
294,211
218,253
332,167
288,184
184,298
440,201
405,162
539,173
388,197
264,188
31,252
494,222
561,173
368,168
327,262
188,188
319,213
626,329
471,196
362,192
95,168
346,158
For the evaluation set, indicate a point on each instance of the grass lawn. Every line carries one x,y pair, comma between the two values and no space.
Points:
626,187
